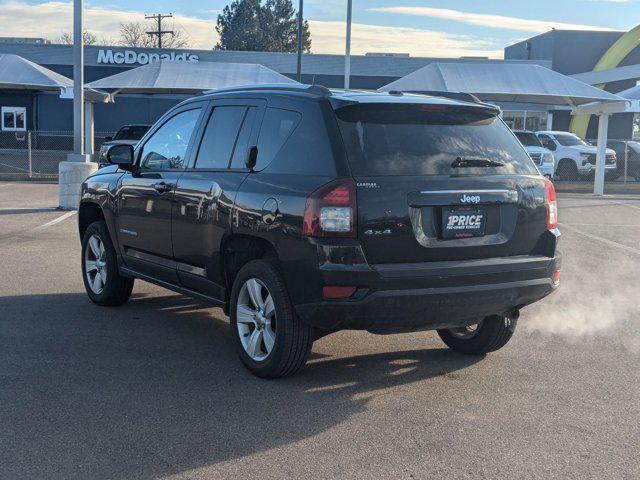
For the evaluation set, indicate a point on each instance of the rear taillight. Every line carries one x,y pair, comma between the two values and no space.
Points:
331,210
552,204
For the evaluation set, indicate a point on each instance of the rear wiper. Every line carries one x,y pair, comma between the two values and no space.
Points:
464,162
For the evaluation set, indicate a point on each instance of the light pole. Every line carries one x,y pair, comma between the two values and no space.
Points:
300,42
347,55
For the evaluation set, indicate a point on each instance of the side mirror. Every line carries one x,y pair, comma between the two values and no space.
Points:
550,144
121,155
252,158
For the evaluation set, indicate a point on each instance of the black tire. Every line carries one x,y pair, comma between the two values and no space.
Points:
492,334
567,170
116,289
293,337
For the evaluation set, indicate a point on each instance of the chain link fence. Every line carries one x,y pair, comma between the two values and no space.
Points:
36,154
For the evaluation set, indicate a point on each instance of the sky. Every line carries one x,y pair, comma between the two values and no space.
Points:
421,28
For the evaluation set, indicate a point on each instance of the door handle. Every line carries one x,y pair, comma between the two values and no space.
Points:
162,187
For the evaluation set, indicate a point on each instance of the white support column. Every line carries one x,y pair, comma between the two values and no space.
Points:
603,128
550,121
89,146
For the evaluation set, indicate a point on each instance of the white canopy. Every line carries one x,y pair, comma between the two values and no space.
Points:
17,73
502,82
180,77
630,94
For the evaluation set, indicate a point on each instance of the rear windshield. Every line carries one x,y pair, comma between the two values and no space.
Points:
528,139
406,139
131,133
569,140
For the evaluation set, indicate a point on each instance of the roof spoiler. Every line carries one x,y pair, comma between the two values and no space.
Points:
316,89
460,96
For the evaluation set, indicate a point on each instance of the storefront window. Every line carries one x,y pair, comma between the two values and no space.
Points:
526,120
515,120
536,121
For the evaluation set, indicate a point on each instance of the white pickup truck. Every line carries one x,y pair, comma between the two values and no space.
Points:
542,157
574,157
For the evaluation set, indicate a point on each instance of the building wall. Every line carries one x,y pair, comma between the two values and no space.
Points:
569,51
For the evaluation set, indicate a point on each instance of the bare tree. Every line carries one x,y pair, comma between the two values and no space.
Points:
134,34
87,37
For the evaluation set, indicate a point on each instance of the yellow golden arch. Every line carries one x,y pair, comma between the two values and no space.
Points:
611,59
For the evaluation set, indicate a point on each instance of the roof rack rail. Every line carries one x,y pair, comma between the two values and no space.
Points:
316,89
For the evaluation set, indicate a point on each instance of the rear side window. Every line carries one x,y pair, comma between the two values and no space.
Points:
428,140
277,126
220,136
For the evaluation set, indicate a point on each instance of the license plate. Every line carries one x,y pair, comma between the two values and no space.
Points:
463,222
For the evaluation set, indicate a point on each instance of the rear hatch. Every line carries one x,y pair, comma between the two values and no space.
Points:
441,183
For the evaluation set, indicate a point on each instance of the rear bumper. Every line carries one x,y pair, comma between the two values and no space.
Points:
410,297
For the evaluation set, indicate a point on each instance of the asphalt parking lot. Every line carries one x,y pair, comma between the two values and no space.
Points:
154,390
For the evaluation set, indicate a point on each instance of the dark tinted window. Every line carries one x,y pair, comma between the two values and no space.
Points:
427,140
277,125
220,137
242,145
131,133
570,140
528,139
167,147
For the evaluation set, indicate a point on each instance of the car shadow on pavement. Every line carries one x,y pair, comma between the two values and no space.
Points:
154,388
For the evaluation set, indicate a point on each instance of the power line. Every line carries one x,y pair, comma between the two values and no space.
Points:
159,32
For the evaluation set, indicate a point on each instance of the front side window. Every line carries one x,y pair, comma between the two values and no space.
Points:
167,147
14,119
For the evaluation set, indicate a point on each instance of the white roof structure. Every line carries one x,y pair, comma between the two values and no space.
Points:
630,94
600,77
180,77
17,73
524,83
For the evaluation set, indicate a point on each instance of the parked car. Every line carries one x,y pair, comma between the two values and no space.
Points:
127,135
632,157
574,157
303,211
542,157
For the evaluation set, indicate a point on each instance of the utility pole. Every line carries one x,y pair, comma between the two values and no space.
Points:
300,35
159,32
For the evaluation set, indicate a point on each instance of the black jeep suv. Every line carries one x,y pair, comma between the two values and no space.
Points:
303,211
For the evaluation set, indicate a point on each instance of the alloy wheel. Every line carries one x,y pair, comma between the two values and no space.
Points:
467,332
256,319
95,264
